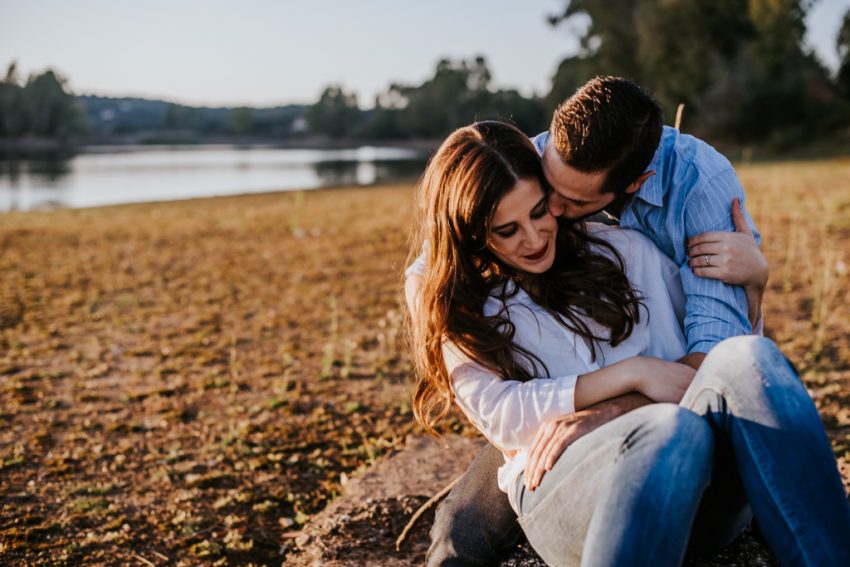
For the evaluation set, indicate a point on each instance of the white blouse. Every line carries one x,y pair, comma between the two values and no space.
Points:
509,412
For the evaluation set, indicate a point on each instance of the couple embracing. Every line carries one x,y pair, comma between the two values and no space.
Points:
633,414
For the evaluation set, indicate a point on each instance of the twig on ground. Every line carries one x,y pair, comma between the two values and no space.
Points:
143,560
422,509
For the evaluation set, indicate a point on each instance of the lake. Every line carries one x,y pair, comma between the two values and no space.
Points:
120,174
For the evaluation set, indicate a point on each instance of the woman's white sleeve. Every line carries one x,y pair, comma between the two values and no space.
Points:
417,268
507,412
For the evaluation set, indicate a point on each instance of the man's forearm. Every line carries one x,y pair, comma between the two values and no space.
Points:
599,414
754,299
694,359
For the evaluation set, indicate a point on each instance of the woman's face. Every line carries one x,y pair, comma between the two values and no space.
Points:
522,232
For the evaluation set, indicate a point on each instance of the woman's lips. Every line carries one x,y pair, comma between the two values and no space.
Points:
538,255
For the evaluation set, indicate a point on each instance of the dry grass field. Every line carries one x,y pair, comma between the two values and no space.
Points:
187,382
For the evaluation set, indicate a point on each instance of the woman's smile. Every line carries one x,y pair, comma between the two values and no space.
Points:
539,254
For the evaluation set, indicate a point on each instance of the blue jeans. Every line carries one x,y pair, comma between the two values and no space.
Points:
657,482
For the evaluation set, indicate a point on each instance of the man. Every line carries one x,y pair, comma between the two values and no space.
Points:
606,152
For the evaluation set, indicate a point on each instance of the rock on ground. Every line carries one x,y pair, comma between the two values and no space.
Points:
360,528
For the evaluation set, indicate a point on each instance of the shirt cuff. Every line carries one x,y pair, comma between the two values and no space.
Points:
565,394
702,346
417,268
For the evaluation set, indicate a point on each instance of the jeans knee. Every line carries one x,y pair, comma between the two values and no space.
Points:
680,432
747,351
746,360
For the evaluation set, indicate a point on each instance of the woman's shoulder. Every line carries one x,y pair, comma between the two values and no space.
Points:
637,250
506,298
619,237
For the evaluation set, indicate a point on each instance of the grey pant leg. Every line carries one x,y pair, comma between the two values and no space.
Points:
475,524
624,494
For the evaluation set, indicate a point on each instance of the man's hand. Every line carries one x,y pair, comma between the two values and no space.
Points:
554,437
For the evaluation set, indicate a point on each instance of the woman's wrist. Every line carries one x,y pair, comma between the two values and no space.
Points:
606,383
630,376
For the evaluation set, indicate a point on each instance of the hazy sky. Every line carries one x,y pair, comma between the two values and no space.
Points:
267,52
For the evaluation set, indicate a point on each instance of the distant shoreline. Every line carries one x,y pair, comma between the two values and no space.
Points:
37,146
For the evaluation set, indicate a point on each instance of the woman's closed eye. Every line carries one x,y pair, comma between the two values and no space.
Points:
540,210
506,232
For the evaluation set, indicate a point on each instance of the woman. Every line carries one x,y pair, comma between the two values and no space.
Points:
522,320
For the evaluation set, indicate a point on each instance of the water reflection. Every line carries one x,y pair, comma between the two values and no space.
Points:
126,175
367,172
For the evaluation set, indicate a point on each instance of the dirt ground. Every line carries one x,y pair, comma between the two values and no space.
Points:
190,382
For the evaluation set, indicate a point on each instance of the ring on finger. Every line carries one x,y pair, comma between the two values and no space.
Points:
706,259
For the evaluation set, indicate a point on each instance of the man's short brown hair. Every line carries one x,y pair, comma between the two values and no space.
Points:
612,124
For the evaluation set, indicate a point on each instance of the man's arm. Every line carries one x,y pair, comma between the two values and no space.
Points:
714,310
693,359
734,258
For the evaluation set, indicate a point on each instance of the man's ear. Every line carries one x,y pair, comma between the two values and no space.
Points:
638,183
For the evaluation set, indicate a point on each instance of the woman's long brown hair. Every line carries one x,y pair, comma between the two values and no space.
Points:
459,191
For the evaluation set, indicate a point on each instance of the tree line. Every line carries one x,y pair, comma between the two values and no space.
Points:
740,67
459,93
41,106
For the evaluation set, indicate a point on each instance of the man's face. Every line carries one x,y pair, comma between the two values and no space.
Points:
576,194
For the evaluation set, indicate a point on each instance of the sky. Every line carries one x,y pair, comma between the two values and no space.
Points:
270,52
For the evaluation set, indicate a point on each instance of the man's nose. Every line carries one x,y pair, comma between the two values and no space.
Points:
556,205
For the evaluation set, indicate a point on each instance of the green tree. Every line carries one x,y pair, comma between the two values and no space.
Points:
171,117
382,122
51,111
441,103
458,93
335,114
241,121
843,45
571,74
739,65
609,41
12,113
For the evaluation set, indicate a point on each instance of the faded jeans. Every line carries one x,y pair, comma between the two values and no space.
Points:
664,480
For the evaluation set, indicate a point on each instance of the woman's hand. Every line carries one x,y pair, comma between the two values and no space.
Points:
553,437
660,380
732,257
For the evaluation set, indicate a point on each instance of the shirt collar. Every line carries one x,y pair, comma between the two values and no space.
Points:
652,191
514,291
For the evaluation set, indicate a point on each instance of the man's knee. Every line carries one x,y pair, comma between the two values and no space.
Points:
675,431
739,361
745,349
475,524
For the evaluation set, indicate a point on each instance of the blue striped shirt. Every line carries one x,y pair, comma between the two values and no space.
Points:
691,193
